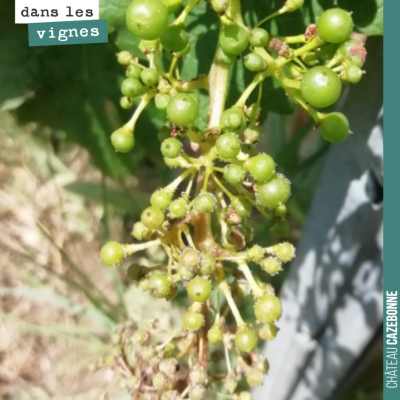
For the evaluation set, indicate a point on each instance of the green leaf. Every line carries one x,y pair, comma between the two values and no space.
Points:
113,11
117,198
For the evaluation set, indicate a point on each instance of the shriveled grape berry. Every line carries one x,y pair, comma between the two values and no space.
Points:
171,147
147,19
161,199
268,309
193,320
261,167
131,87
259,37
175,38
273,193
199,289
152,218
204,203
335,25
234,174
334,127
112,253
321,87
183,109
245,340
228,146
233,39
123,140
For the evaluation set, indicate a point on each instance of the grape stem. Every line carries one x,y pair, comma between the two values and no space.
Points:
281,11
257,291
133,248
181,19
144,101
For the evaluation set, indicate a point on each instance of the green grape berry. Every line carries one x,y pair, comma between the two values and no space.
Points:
140,232
131,87
242,207
190,258
335,25
150,77
175,38
183,110
254,62
261,167
321,87
294,5
268,332
234,174
234,120
272,265
152,218
233,39
126,103
207,264
199,289
254,377
256,253
147,19
228,146
193,320
185,273
280,228
171,147
245,340
326,53
162,100
223,58
178,208
112,253
133,71
124,57
259,37
204,203
219,6
123,140
149,46
252,134
245,396
214,335
352,51
352,73
161,199
268,309
284,251
281,210
334,127
275,192
134,272
159,286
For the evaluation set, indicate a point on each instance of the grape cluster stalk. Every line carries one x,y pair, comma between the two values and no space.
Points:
202,218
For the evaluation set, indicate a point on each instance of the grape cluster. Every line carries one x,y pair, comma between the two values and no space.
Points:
202,218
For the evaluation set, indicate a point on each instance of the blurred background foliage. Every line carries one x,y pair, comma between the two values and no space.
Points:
64,191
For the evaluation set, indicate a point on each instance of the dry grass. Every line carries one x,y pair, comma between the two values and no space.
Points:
45,347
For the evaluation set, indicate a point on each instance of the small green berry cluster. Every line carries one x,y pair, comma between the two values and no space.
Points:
203,218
